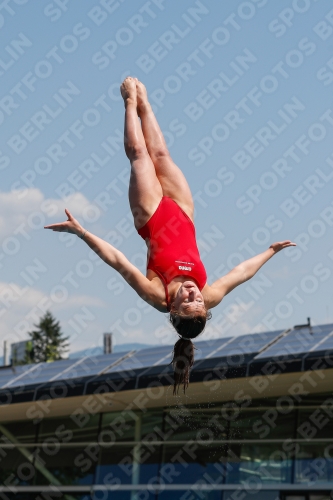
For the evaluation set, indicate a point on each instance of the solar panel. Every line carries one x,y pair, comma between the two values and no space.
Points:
326,343
210,348
93,365
297,341
42,372
153,356
17,373
70,371
236,346
6,375
73,368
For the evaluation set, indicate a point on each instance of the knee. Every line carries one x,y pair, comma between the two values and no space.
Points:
160,153
135,151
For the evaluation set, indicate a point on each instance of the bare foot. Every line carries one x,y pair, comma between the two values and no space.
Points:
142,98
128,90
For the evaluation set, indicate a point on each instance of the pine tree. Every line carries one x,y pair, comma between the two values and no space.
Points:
48,341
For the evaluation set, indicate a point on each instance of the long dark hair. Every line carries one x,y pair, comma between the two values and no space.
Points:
188,328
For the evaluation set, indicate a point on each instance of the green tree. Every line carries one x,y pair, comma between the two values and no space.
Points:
47,341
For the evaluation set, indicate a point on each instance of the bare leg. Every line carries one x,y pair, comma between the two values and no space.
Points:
172,179
145,191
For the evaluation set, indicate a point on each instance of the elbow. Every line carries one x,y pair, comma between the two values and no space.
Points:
244,273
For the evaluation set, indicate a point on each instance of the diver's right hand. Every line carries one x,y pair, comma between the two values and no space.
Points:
71,225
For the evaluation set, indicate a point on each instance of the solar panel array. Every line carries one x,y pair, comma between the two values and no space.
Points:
296,342
158,356
59,370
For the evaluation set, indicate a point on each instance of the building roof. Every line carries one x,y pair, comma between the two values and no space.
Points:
292,350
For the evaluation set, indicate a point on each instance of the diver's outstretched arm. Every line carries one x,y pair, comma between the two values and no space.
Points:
243,272
113,257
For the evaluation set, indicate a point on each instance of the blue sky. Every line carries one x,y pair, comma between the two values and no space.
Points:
243,92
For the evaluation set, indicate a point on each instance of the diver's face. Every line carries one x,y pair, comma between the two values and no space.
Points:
189,300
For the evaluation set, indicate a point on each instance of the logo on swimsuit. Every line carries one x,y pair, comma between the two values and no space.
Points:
185,268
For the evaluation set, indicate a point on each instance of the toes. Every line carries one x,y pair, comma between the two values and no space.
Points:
128,87
127,82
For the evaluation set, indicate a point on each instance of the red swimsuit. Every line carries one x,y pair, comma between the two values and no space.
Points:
173,247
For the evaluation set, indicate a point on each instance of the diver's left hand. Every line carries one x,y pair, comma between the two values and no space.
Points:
280,245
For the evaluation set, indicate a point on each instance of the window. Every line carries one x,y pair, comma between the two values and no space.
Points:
266,462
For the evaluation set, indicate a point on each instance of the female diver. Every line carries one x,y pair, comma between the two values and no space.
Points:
162,208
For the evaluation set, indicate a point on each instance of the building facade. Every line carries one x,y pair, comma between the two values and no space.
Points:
256,423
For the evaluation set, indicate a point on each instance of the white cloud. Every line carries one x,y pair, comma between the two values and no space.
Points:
29,207
21,307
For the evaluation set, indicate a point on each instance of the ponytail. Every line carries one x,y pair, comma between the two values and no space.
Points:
183,351
182,362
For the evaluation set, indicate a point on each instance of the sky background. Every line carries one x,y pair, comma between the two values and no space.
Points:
243,93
